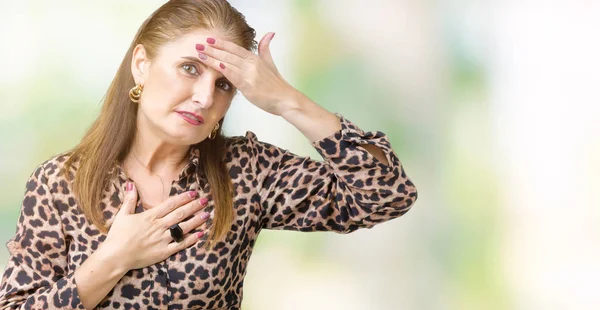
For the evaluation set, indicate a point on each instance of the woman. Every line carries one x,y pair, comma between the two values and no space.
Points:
155,209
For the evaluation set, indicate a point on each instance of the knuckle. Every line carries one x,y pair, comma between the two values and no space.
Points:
130,199
171,206
147,217
179,214
161,224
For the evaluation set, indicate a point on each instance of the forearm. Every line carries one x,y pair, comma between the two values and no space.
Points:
316,123
312,120
97,276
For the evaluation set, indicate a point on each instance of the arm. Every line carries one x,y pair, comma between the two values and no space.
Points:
316,123
97,276
352,189
37,273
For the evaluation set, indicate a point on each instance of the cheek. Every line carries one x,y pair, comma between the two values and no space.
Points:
220,108
165,90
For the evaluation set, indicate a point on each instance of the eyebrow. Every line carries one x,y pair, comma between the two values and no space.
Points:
197,60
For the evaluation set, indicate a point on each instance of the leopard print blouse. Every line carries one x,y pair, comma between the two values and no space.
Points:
273,188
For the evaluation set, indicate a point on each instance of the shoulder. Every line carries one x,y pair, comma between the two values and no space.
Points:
55,169
38,210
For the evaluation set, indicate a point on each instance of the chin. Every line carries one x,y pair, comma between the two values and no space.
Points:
182,136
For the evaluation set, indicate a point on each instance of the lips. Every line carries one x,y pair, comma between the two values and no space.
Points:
191,117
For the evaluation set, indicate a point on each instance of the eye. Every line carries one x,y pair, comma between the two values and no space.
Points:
225,85
191,69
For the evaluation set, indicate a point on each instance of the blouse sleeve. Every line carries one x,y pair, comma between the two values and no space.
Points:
35,276
351,189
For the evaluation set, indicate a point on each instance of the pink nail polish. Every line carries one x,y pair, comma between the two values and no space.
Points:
203,201
193,194
210,40
204,215
129,186
202,56
200,47
199,234
222,65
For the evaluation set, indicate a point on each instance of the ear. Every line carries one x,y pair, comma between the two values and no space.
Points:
140,64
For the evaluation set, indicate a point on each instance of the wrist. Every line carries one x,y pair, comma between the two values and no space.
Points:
117,261
293,104
314,121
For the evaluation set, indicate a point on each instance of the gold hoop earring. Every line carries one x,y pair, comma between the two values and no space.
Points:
135,93
213,133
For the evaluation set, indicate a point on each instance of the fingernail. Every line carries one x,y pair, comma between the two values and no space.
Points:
272,36
203,201
202,56
200,47
210,40
204,215
222,65
129,186
193,194
199,234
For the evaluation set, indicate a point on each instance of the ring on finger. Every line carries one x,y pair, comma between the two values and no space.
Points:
176,232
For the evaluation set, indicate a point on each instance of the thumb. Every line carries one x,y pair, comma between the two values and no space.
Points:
130,201
264,51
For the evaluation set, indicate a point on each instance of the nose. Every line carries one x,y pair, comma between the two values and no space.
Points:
203,92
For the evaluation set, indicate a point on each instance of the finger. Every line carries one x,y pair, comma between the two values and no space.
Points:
191,225
230,47
224,56
189,240
231,73
264,51
130,200
173,203
198,219
180,214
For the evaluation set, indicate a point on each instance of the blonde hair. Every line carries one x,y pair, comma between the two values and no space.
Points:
110,137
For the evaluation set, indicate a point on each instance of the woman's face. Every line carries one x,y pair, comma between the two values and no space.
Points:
182,99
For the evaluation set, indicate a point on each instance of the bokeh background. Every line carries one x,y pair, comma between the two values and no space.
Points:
492,106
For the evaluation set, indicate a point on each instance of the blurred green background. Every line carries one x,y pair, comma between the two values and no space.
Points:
491,106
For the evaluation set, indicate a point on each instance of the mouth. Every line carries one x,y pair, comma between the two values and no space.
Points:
191,118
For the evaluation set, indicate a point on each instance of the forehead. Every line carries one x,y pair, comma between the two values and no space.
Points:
186,44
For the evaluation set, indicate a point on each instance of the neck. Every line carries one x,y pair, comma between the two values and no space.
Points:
158,157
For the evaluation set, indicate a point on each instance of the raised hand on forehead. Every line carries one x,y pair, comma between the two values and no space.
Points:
255,76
